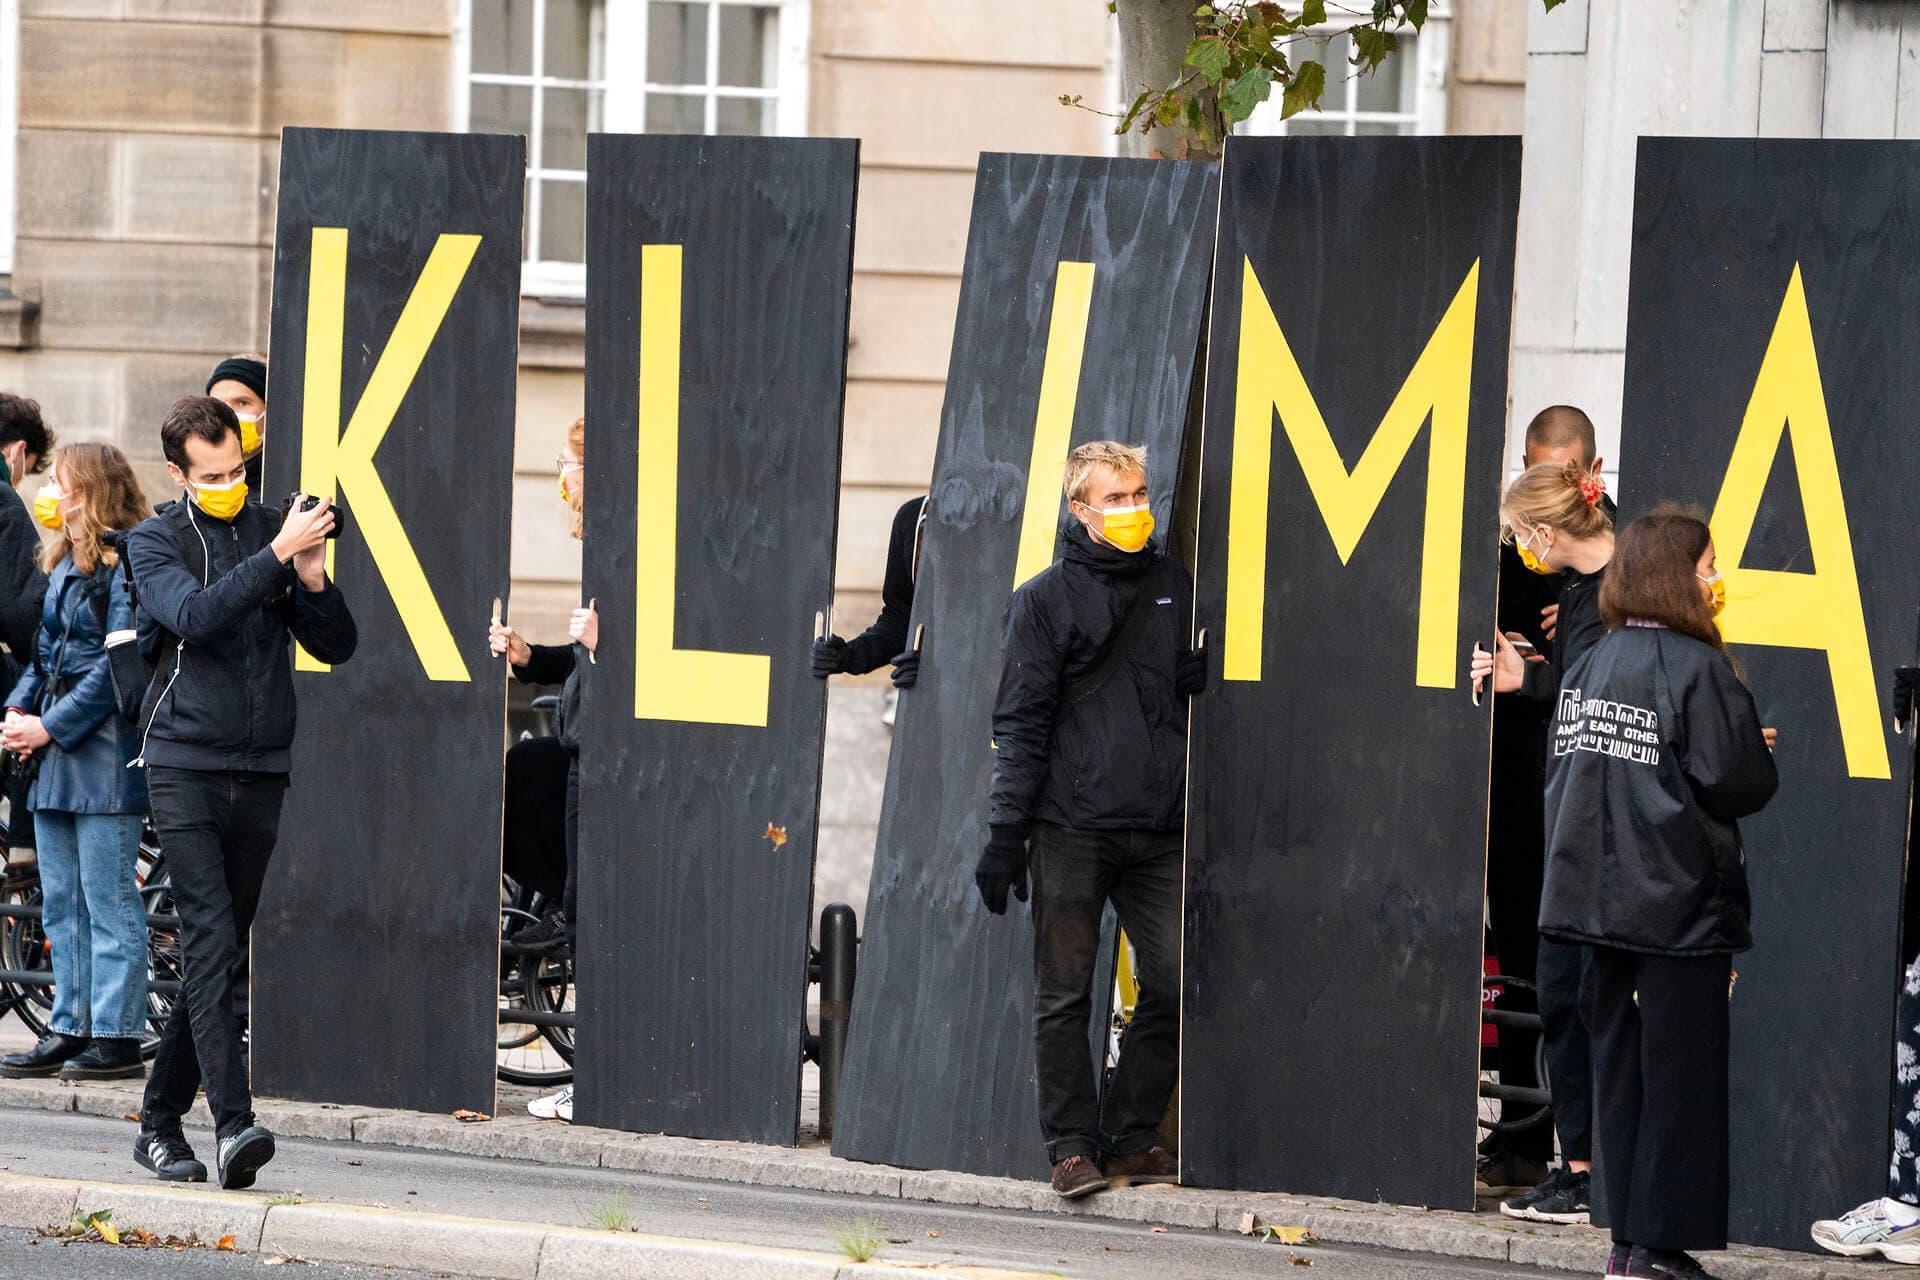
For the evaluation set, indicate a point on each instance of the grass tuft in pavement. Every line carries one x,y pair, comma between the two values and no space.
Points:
861,1242
612,1215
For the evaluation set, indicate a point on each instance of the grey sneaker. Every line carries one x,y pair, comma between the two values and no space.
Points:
1867,1230
242,1155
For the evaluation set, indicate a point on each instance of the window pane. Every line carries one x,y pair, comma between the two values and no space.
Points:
747,46
1306,125
576,30
563,221
676,113
566,117
1390,87
676,44
745,115
503,37
500,108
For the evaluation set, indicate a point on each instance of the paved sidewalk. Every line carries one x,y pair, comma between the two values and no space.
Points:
1483,1235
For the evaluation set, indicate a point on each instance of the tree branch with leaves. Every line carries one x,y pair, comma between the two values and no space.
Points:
1230,57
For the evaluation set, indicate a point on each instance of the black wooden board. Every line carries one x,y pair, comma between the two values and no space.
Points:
376,953
1779,282
717,291
1338,802
939,1070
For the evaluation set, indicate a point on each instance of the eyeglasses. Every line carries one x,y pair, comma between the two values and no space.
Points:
567,462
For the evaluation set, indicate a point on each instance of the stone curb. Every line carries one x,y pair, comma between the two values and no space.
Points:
1480,1236
434,1243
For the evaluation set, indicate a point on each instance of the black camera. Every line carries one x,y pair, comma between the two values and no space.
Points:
307,503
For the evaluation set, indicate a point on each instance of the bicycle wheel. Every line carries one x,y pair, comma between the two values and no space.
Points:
23,946
527,1054
164,959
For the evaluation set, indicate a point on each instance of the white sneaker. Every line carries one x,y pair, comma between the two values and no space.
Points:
555,1106
1867,1230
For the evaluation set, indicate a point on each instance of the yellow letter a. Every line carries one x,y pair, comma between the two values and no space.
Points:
327,455
668,683
1818,610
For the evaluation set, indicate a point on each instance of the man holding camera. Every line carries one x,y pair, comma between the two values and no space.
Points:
222,583
1089,797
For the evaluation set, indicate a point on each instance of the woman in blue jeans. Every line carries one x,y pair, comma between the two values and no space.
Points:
87,804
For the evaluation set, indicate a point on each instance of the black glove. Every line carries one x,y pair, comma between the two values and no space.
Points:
829,657
1190,672
906,669
1905,681
1003,865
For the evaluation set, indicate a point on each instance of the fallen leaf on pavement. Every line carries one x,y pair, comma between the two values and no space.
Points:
776,834
281,1260
1301,1262
933,1235
471,1117
226,1245
1159,1231
353,1164
1246,1223
131,1115
1286,1235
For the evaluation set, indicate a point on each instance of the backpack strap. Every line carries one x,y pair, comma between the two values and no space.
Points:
1118,646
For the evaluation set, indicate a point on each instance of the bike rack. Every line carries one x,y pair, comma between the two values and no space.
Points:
1519,1021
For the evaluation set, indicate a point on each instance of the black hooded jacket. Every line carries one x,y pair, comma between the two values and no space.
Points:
222,699
1117,759
1656,752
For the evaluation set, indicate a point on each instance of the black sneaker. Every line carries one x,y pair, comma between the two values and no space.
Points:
106,1059
45,1058
1664,1264
549,933
1569,1203
168,1156
1619,1259
1518,1205
242,1155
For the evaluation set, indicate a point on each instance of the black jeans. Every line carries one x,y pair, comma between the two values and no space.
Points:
1660,1062
1560,970
217,832
1075,873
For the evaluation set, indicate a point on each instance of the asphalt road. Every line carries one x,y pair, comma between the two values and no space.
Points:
25,1257
70,1146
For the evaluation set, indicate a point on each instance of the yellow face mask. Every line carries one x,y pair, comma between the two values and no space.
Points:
221,501
250,434
1531,560
1127,528
46,505
1719,589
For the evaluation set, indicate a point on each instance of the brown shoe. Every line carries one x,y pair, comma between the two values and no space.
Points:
1077,1176
1137,1168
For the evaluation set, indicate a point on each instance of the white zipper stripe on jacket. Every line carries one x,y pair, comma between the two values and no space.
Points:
179,650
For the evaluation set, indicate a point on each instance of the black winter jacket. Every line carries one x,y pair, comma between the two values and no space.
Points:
886,639
557,664
23,587
1656,752
1577,629
224,701
1118,759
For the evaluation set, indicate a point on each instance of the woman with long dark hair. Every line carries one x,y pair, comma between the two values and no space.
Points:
1655,753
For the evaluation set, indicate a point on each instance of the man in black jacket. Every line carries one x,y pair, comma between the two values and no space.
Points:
25,447
1089,790
223,585
886,640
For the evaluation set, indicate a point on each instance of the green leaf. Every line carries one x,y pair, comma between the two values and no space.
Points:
1313,12
1133,111
1309,82
1554,4
1238,99
1417,13
1204,11
1371,47
1209,56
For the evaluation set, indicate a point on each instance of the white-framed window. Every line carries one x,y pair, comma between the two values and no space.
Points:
1407,93
9,123
557,70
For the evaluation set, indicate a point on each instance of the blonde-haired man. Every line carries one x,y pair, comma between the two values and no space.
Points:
1089,791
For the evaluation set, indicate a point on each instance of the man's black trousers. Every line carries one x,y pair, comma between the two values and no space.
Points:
1075,874
1516,864
1660,1086
217,832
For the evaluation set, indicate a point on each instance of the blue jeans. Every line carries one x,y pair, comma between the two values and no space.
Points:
95,921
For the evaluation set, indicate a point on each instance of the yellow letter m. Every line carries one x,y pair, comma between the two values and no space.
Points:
1437,388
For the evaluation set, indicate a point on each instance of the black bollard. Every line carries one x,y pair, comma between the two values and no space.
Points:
839,943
